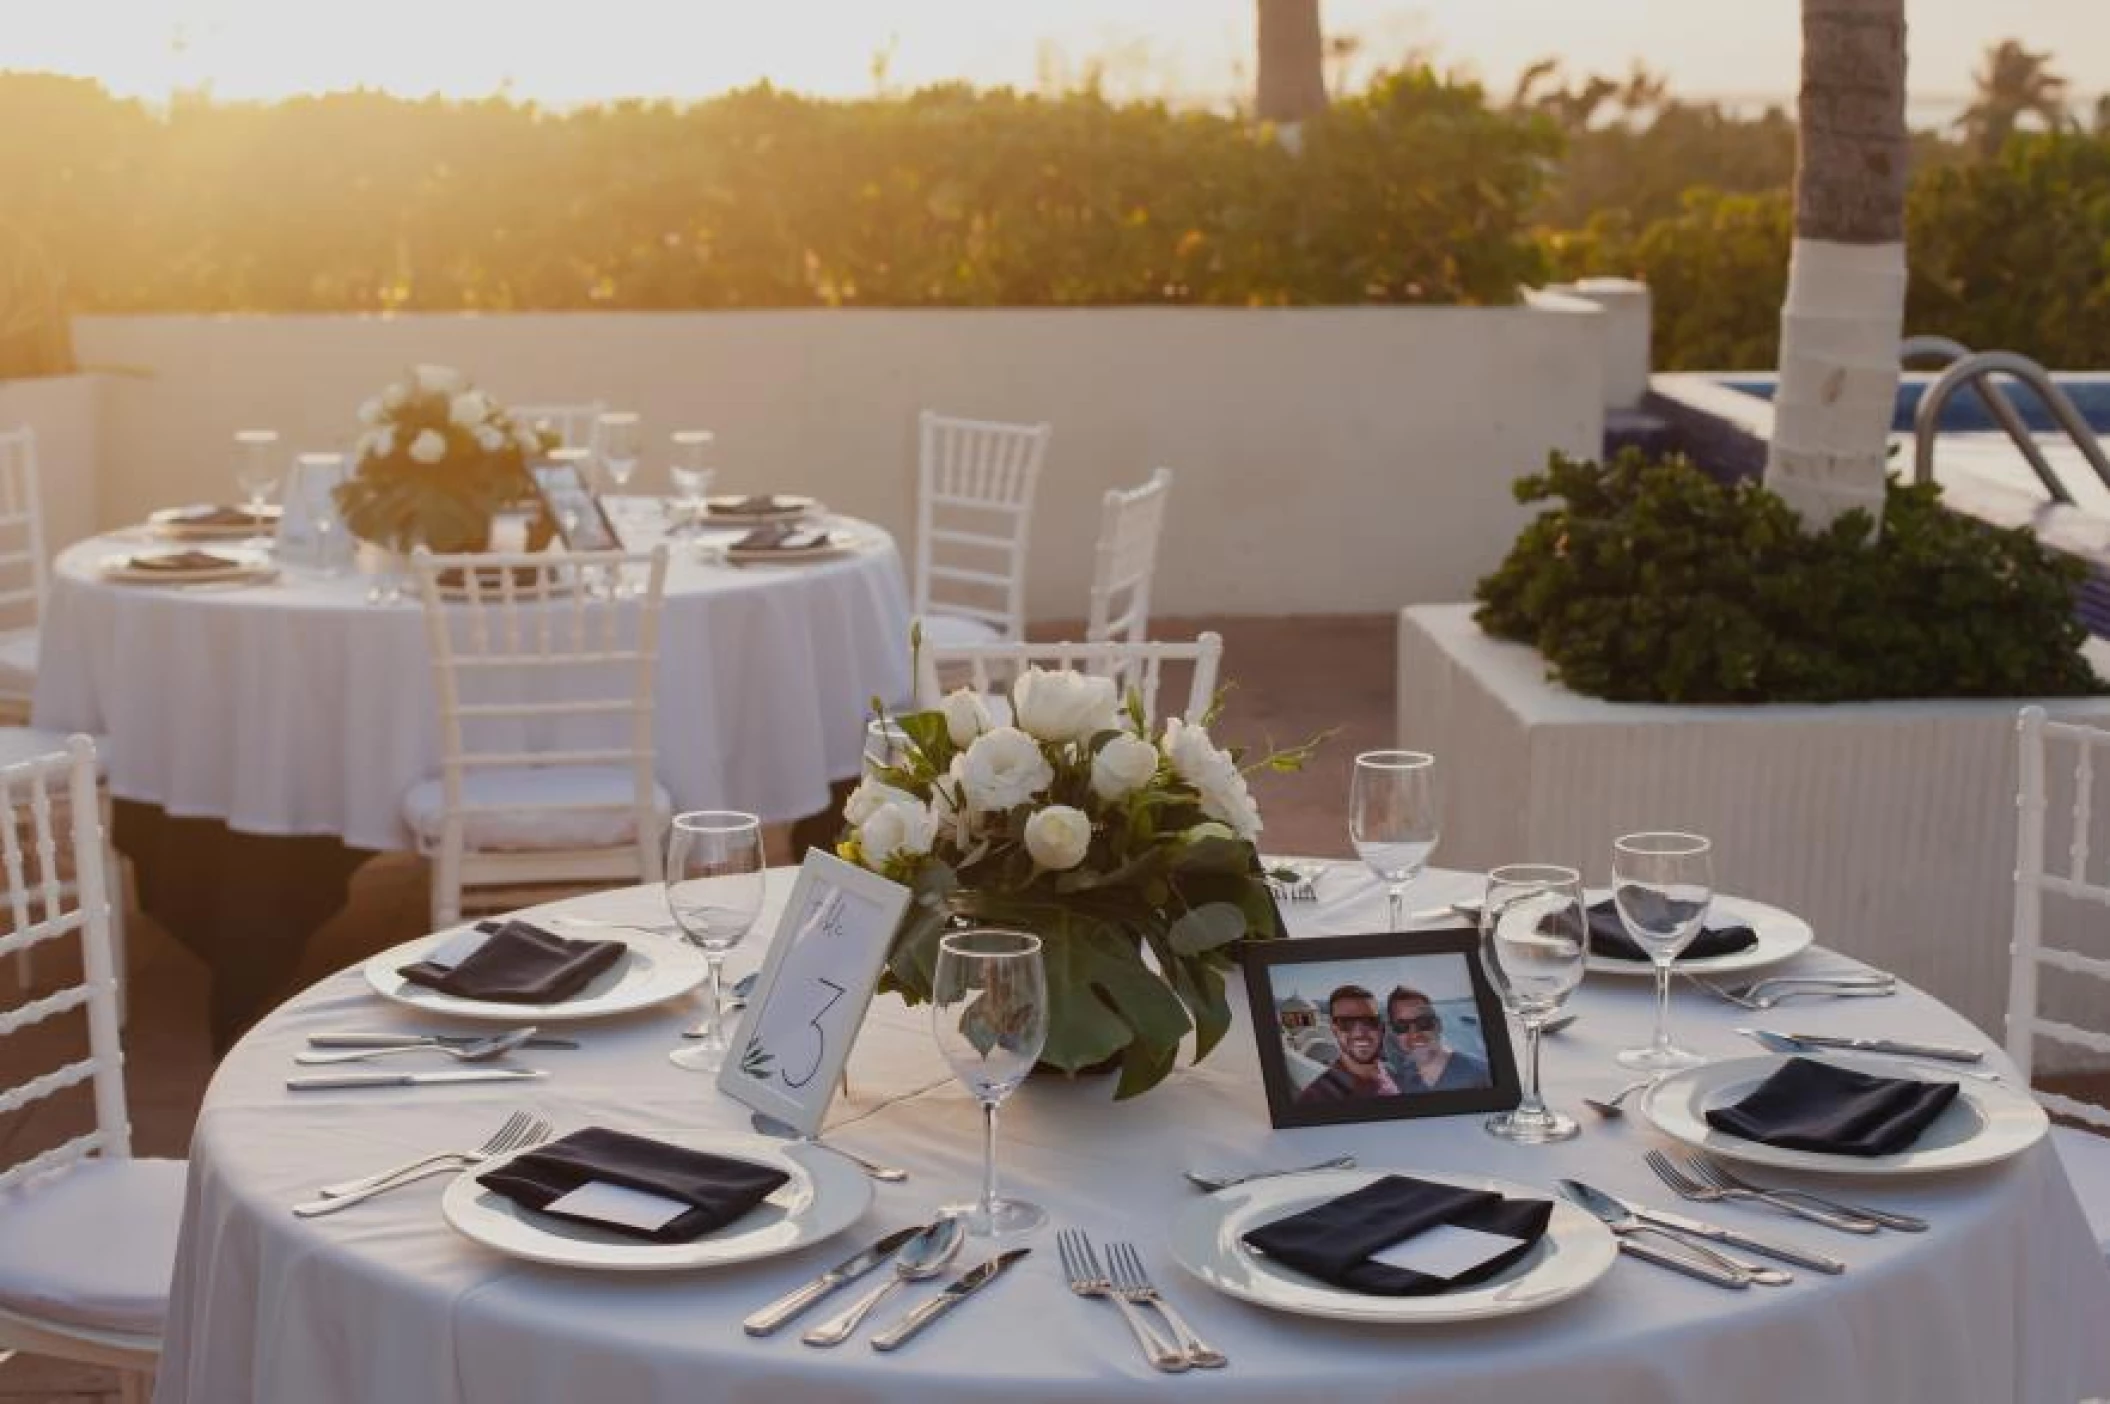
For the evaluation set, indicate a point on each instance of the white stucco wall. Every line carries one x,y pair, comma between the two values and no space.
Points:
1329,460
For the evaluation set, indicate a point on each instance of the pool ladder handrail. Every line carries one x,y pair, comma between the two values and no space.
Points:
1977,369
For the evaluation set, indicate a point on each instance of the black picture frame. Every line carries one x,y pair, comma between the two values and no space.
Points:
1474,1018
567,498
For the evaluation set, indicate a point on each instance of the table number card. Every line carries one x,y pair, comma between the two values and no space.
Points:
831,944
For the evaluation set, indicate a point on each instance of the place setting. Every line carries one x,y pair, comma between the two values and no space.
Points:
189,566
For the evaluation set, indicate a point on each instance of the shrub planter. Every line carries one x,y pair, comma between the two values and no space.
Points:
1889,825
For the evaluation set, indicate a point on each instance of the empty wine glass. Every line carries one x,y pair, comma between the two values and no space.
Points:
715,886
1533,941
989,1011
256,469
886,744
619,437
1394,820
690,476
1662,884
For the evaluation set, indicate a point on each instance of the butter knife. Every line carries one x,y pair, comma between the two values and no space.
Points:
784,1308
959,1290
1947,1053
1715,1233
315,1082
416,1040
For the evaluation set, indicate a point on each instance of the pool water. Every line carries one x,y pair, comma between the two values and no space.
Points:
1966,412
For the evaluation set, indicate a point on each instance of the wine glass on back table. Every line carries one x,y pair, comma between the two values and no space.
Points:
715,886
1394,819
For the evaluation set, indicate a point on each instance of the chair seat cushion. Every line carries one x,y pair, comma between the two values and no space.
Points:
2087,1161
508,826
949,629
94,1245
18,662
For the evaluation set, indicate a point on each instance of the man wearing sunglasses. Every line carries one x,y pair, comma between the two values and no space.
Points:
1416,1055
1359,1033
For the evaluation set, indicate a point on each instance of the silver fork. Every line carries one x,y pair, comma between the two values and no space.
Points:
1132,1283
1685,1187
521,1133
1081,1265
1811,987
511,1127
1723,1177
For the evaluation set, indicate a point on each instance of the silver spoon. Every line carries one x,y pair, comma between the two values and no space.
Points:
1610,1106
770,1126
923,1256
1217,1182
484,1049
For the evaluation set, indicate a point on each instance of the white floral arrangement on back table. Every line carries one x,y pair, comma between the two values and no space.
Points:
1102,835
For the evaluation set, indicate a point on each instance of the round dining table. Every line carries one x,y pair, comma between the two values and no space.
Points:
2002,1298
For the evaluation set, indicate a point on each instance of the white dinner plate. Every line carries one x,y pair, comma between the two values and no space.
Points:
1780,935
839,543
824,1196
790,507
1576,1250
655,968
1988,1121
238,564
179,524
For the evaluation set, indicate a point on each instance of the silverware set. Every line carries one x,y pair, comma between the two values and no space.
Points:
1707,1181
518,1132
1295,882
1129,1288
1764,994
918,1252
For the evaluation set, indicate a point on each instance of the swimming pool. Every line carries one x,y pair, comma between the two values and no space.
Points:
1965,412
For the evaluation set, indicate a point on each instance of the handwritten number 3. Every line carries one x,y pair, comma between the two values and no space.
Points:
820,1037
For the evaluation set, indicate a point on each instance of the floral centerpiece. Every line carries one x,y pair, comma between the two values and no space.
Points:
1127,849
437,459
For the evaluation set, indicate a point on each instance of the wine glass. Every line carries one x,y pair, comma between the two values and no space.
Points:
1661,884
989,1010
256,470
619,438
690,475
886,745
715,885
1394,819
1534,939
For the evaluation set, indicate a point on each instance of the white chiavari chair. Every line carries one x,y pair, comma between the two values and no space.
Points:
974,516
1130,522
989,669
87,1232
2041,975
545,681
22,571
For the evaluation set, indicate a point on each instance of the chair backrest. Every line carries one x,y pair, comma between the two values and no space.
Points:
51,853
1136,666
540,662
2029,953
22,572
974,515
1130,522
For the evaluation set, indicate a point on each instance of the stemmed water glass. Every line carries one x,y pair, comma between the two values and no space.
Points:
256,470
1662,884
690,475
715,885
1534,939
620,440
989,1011
887,745
1394,819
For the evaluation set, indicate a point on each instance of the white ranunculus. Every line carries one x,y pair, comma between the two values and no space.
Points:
1123,766
489,439
1214,776
1064,706
438,380
394,396
966,715
869,796
371,412
469,409
430,446
1004,769
1058,836
896,830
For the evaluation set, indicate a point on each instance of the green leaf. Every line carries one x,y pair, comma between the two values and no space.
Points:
1206,927
1101,997
1214,855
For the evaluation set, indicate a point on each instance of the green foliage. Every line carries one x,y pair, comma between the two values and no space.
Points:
1413,191
1650,582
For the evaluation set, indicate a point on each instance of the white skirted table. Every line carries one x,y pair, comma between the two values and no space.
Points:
2004,1299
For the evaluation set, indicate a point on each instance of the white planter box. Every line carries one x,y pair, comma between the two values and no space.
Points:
1889,825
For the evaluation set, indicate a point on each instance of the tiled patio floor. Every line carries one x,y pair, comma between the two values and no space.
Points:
1294,678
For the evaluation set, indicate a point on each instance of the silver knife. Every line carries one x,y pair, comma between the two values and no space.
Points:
315,1082
1714,1233
378,1040
1947,1053
784,1308
958,1290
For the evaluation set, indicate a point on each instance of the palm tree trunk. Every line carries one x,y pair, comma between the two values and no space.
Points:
1845,308
1292,83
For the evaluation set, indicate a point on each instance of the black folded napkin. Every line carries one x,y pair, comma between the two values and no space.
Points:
214,516
520,964
754,504
1811,1106
1333,1241
177,562
778,536
1608,938
716,1189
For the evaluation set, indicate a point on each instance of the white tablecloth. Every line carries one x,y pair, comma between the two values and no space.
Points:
297,708
2005,1299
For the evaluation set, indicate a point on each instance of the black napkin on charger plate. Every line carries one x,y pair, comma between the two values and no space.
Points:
755,504
780,536
1334,1241
213,515
1808,1105
1608,938
519,964
717,1189
179,562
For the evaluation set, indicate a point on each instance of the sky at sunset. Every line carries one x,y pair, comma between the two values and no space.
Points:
1198,50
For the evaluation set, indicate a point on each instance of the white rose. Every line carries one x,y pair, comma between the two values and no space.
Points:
1214,776
869,797
1228,799
1058,836
438,380
1065,706
489,439
394,396
430,446
1004,768
469,409
370,412
1123,766
384,442
966,716
896,830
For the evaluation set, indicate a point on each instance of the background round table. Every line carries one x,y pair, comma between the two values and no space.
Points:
2002,1300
